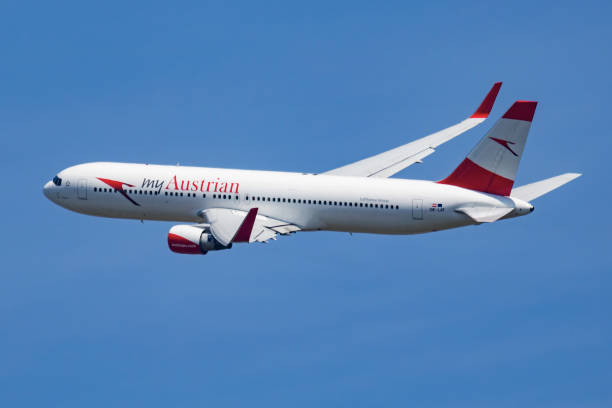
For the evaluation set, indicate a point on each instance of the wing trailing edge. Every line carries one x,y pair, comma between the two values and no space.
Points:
392,161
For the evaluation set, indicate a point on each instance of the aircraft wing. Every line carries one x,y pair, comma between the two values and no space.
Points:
392,161
228,225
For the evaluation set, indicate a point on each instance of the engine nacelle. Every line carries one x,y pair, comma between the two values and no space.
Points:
187,239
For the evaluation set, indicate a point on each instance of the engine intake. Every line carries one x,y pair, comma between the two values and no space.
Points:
188,239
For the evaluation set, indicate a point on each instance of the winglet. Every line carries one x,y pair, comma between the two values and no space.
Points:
244,232
487,103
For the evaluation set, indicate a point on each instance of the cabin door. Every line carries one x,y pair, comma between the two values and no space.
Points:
82,189
417,209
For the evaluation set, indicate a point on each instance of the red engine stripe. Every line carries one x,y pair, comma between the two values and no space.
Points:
471,176
180,245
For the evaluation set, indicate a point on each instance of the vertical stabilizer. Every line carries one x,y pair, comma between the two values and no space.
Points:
491,166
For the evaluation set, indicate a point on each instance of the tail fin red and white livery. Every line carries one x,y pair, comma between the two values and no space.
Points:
491,166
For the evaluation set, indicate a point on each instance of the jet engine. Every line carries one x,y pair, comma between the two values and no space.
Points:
189,239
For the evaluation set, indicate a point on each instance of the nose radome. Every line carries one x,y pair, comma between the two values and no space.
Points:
47,189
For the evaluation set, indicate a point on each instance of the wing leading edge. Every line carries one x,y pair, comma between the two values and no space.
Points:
392,161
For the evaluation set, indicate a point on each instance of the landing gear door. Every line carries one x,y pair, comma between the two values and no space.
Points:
417,209
82,189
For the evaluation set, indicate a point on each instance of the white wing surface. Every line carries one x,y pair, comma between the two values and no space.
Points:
392,161
228,225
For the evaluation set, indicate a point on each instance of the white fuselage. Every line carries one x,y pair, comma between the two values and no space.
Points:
310,201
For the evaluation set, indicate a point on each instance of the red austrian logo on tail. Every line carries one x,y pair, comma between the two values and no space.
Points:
504,143
118,185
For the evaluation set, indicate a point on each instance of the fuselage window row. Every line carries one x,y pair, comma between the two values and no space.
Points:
257,198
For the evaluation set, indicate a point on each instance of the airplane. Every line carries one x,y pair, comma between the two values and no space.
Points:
220,207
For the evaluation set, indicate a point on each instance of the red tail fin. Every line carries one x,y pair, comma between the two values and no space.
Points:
491,166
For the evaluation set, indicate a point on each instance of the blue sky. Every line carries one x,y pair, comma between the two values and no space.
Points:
98,312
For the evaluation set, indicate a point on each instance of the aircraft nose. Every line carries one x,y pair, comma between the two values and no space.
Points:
47,190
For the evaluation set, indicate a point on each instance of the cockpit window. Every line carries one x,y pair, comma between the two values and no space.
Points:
57,181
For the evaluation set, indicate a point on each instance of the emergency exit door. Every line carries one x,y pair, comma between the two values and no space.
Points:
417,209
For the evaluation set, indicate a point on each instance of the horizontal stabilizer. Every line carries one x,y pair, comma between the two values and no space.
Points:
484,214
532,191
